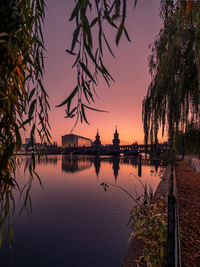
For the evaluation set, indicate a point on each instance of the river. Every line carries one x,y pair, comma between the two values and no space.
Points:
73,221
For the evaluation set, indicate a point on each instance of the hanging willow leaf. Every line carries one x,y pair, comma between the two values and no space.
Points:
108,18
88,32
119,33
75,37
127,36
70,52
89,51
69,98
124,12
110,50
89,61
18,137
94,21
32,108
87,71
72,113
75,11
94,109
31,94
83,113
22,66
174,65
76,61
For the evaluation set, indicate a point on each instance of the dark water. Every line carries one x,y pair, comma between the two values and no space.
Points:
74,222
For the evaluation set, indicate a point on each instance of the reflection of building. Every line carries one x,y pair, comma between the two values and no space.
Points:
97,165
48,160
72,140
74,164
97,142
116,167
116,140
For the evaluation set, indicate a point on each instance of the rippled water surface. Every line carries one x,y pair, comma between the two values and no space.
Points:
74,222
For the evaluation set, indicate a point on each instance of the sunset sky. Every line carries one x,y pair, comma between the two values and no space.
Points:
123,100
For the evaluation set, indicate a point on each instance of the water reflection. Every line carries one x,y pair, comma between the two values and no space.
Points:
75,164
88,218
48,160
97,165
80,163
115,167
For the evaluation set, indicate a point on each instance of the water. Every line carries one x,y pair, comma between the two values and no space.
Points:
74,222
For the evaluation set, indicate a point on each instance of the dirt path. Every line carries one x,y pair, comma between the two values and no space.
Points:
188,184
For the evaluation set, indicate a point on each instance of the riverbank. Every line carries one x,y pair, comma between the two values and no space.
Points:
136,247
188,185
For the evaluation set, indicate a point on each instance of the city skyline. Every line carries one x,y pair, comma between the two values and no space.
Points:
123,100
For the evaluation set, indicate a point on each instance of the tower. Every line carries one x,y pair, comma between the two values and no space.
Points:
97,142
116,140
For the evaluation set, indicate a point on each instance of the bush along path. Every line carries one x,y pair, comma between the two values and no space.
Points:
149,246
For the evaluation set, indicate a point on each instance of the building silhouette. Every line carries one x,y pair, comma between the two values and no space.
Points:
116,140
72,140
97,142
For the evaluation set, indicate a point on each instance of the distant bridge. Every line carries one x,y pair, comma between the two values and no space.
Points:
142,148
109,150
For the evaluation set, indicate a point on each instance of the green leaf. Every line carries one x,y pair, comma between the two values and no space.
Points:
90,54
119,33
75,11
77,59
94,21
83,113
24,122
94,109
108,18
69,98
71,113
18,137
87,71
38,177
31,94
88,31
108,45
127,36
124,11
100,35
105,72
32,135
32,108
86,91
75,37
42,87
70,52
